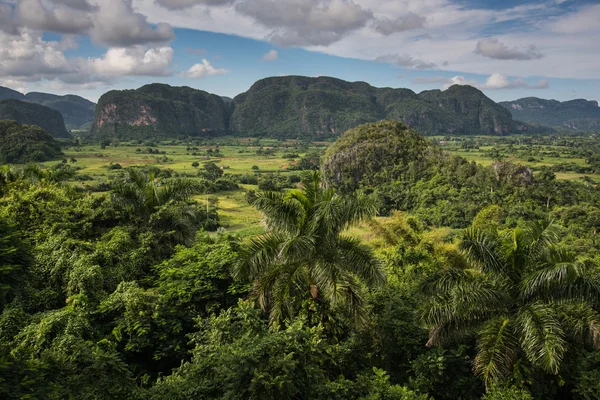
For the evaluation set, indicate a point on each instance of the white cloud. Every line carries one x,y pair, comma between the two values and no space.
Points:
134,61
180,4
29,57
205,69
33,14
497,81
407,22
405,60
272,55
584,20
306,22
83,5
493,48
117,24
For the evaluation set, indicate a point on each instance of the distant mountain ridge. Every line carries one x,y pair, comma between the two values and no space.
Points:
77,112
28,113
296,105
293,106
570,115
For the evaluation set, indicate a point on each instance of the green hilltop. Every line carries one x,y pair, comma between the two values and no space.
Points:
159,110
34,114
21,143
77,112
296,106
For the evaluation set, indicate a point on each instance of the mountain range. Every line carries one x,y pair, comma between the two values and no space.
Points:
296,106
292,107
77,112
580,114
28,113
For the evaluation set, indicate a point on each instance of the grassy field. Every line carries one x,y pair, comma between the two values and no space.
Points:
239,156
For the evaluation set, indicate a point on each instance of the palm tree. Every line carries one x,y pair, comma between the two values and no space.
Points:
144,193
159,203
521,295
304,255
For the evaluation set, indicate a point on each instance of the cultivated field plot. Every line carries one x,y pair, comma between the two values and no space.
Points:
99,164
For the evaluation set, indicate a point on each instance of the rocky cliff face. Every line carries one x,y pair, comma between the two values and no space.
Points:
159,111
297,106
576,114
34,114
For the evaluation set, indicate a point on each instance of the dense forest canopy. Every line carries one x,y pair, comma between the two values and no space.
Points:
477,282
26,143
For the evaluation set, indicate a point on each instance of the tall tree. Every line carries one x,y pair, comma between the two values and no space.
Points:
305,255
161,203
521,294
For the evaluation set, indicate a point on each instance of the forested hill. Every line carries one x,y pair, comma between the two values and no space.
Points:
160,110
77,112
293,106
26,143
296,105
34,114
576,114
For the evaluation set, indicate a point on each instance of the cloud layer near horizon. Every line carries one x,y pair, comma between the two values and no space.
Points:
545,39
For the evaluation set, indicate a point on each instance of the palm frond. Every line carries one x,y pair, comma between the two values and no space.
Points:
258,255
281,214
541,335
481,250
497,347
359,260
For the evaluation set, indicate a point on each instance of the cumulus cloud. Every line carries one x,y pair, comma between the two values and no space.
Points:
83,5
134,61
493,48
493,82
28,57
498,81
8,23
180,4
306,22
405,60
62,19
408,22
205,69
116,24
272,55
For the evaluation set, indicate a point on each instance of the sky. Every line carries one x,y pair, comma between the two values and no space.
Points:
508,49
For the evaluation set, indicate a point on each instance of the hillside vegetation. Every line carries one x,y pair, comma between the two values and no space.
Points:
296,106
25,143
77,112
420,276
35,114
570,115
159,110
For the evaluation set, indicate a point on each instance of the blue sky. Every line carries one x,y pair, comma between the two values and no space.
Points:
508,49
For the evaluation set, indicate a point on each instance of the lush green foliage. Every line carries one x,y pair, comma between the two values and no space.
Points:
159,110
116,289
25,143
300,106
24,112
578,115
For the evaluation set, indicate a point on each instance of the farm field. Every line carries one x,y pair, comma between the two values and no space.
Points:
98,165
